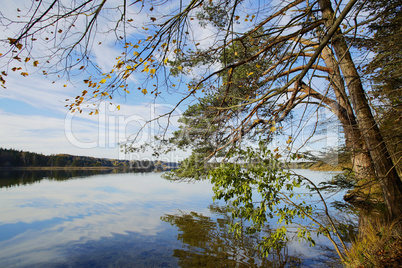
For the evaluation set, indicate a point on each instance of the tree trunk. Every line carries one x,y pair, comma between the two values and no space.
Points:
360,157
389,180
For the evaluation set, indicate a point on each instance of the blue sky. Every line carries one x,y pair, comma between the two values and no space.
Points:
33,116
32,112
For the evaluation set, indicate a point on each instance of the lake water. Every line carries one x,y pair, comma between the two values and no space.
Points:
61,219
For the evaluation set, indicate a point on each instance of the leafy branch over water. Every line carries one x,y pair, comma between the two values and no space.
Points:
260,190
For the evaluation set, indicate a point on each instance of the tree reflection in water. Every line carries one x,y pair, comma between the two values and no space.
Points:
207,242
15,178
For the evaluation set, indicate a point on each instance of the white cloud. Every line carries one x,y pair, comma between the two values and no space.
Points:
44,129
81,134
37,92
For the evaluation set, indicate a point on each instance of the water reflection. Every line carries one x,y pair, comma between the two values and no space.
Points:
207,242
54,222
81,219
14,178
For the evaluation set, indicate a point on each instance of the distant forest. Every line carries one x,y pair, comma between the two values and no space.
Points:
10,158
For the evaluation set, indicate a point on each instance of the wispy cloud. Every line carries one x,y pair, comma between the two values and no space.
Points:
45,126
98,136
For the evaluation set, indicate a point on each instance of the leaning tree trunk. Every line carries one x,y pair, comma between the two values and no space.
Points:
360,157
389,180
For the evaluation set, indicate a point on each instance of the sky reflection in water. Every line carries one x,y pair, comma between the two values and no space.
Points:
111,220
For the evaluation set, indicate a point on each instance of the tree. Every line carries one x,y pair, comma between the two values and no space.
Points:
267,64
384,70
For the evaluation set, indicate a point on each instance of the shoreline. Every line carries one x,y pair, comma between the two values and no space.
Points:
60,168
317,166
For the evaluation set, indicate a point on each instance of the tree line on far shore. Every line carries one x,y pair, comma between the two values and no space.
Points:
11,158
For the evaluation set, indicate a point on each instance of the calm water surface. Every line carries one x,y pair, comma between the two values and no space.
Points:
127,220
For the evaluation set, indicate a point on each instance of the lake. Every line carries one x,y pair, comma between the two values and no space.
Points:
81,219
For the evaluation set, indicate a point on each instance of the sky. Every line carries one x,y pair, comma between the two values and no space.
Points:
33,115
34,118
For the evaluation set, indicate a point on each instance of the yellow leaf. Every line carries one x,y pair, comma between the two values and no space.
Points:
165,61
91,113
273,128
35,63
102,81
96,112
118,107
24,74
144,91
250,74
152,71
64,85
180,68
27,59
